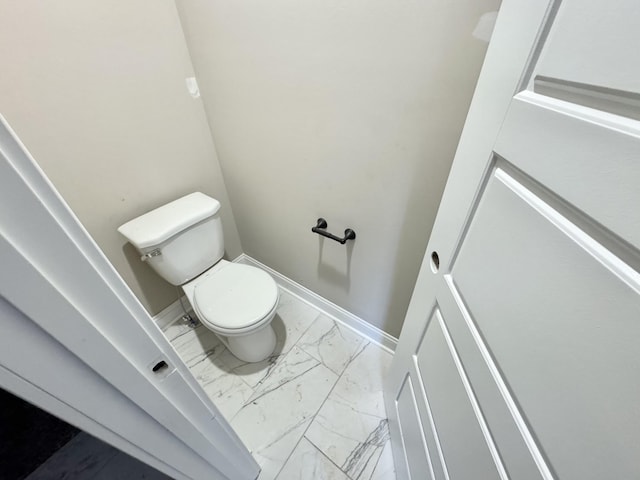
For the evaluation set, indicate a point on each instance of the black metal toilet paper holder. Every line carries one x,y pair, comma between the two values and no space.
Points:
349,234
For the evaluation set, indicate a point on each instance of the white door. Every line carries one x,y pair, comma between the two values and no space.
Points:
520,355
76,342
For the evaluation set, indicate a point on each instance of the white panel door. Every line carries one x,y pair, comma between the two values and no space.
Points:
520,353
75,336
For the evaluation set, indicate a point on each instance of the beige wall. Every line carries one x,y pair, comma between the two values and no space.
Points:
346,110
96,92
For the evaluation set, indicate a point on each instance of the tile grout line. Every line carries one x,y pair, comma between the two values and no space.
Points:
304,434
314,415
279,360
364,344
188,329
375,467
262,394
366,443
325,456
272,367
290,454
281,356
368,343
323,401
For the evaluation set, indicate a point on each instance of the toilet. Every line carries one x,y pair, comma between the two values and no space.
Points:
183,242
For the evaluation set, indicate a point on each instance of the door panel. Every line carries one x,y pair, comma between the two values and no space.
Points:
514,452
554,142
472,458
413,434
588,51
55,275
534,261
566,338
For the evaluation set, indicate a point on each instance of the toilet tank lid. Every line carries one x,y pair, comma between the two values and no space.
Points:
164,222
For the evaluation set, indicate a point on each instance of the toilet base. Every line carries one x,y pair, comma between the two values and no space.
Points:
252,347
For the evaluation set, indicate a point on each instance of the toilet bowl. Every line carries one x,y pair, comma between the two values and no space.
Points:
237,302
183,242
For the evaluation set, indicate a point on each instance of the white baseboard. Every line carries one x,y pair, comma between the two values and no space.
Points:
172,313
374,334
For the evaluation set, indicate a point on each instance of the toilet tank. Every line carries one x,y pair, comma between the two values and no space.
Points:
181,239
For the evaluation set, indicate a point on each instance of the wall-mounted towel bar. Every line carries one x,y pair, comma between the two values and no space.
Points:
322,224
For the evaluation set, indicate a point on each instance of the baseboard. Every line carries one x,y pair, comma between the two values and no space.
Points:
171,314
174,311
374,334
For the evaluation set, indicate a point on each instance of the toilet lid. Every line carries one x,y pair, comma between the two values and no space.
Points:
236,296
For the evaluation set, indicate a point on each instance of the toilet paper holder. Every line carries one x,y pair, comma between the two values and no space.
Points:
349,234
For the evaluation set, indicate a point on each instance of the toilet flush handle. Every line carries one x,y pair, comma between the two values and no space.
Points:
153,253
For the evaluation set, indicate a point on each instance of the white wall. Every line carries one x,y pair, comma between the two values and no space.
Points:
96,92
346,110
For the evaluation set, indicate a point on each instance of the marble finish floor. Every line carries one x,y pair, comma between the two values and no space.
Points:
314,409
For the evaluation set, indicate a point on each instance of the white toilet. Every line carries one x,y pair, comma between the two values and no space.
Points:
183,242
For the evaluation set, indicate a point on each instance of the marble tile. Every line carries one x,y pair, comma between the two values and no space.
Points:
273,404
332,343
229,394
295,364
352,442
272,423
175,329
307,462
253,374
385,469
195,343
362,382
364,460
292,320
272,457
227,391
207,368
351,427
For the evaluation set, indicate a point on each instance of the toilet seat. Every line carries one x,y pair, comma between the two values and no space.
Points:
235,299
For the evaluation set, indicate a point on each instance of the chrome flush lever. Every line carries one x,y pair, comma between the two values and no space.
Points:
153,253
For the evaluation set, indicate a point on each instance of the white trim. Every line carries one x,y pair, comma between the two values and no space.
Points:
172,313
362,327
515,44
26,379
87,308
529,439
486,432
